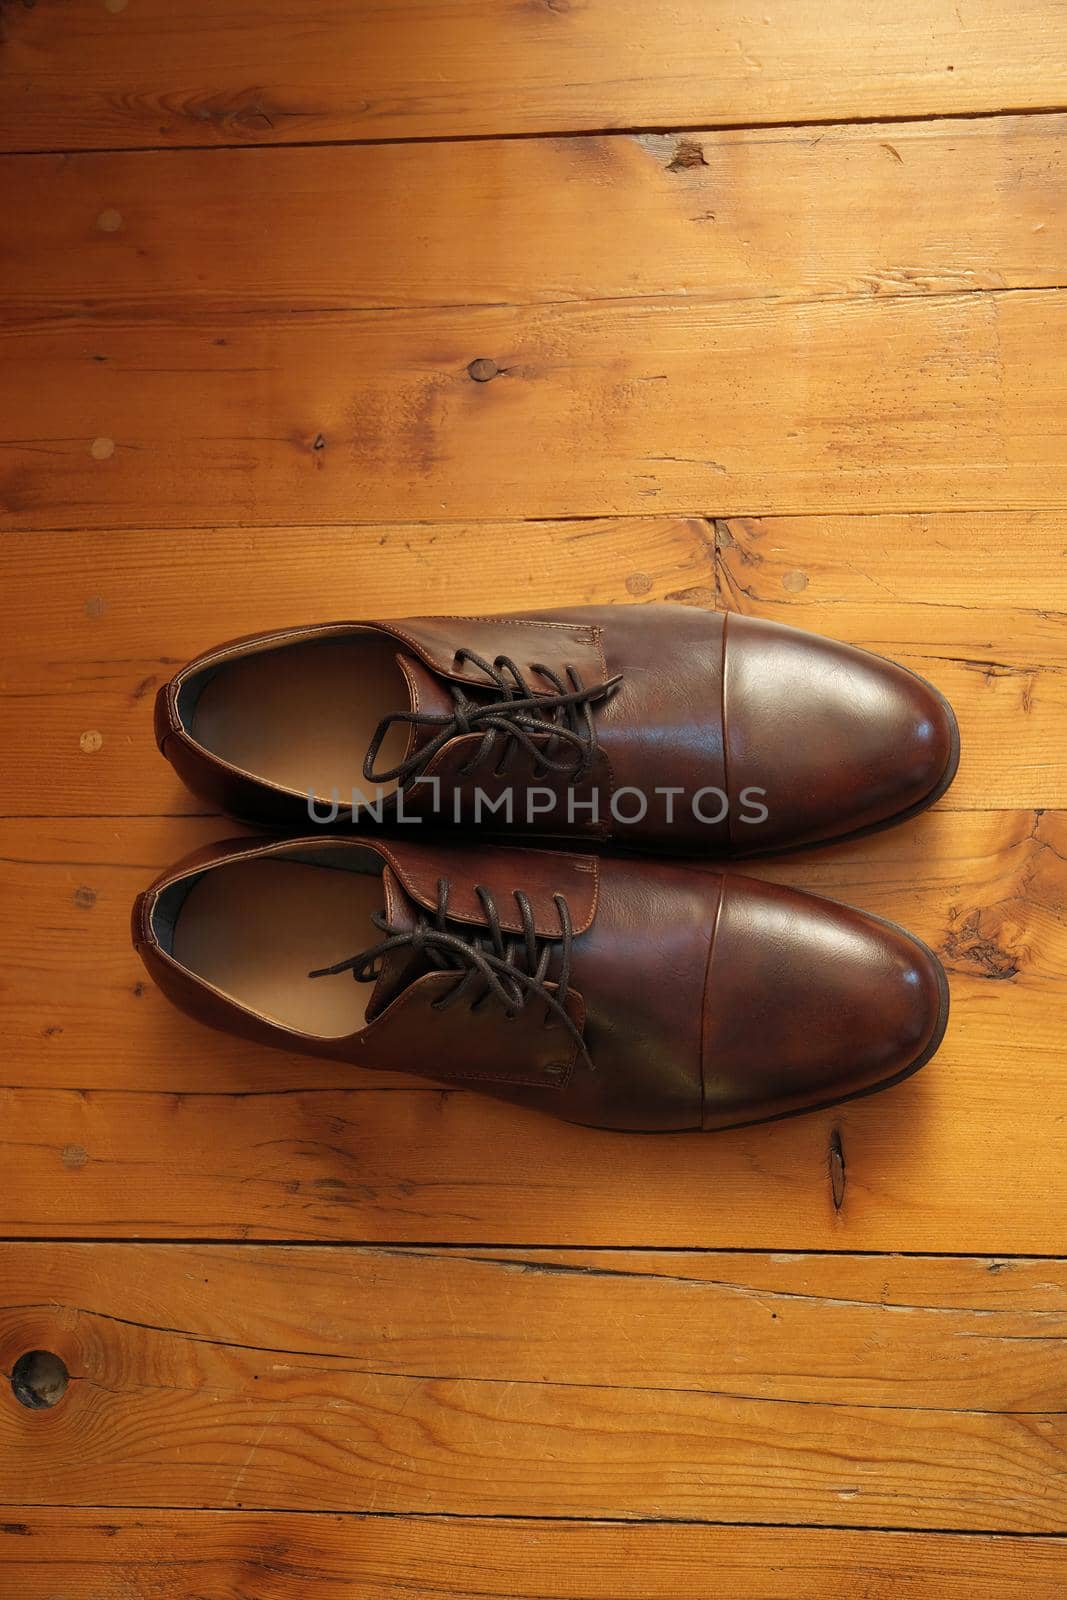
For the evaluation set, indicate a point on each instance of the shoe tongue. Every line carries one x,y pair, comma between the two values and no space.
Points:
426,693
402,966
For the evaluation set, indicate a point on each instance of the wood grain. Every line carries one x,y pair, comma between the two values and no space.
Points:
976,604
193,1555
598,408
177,1128
971,1151
659,1385
241,377
124,1118
95,621
987,889
228,1556
853,211
159,72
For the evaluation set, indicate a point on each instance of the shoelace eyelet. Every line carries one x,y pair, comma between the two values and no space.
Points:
521,716
466,955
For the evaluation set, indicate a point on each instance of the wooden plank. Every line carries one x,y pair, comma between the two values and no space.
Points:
124,1118
952,402
315,1160
940,1333
987,889
698,1386
975,604
851,211
187,1555
96,620
902,567
79,74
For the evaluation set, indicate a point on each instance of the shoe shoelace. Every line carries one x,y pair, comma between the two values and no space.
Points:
521,713
487,963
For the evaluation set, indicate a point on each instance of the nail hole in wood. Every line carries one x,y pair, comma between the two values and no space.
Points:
39,1380
837,1170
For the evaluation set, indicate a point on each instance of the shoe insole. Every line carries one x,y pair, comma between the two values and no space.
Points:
255,929
303,716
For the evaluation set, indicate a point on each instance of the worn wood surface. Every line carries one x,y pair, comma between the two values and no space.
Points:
771,320
119,1120
953,402
845,211
372,1338
99,620
989,897
80,73
657,1385
225,1555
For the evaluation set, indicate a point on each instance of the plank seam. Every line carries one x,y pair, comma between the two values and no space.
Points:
549,521
996,1258
902,1532
600,132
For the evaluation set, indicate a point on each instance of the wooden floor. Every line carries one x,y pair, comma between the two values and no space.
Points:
294,325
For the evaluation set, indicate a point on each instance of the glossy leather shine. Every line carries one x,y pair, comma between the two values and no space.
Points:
808,740
704,999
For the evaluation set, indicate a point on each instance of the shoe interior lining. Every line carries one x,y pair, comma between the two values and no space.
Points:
302,716
255,929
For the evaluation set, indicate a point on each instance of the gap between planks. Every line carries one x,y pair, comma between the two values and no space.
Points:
996,1259
609,130
524,1518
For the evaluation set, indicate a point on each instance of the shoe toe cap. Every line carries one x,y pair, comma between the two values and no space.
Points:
809,1003
840,740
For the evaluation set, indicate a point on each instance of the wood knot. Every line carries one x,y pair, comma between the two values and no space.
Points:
39,1379
967,947
483,369
687,154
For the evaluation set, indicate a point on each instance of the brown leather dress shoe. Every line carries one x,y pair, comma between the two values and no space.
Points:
656,727
625,994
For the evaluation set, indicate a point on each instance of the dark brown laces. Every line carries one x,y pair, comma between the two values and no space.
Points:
486,963
521,714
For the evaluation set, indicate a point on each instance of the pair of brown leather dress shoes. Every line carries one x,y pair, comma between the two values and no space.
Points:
613,990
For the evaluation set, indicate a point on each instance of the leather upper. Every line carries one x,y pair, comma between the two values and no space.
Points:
764,736
703,999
